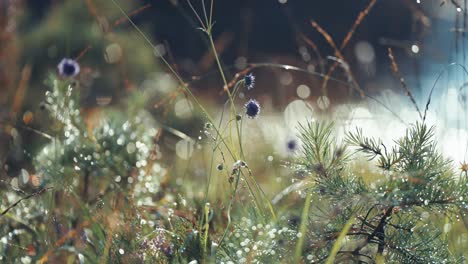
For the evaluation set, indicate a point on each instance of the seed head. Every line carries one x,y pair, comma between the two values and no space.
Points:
252,108
68,68
291,145
249,81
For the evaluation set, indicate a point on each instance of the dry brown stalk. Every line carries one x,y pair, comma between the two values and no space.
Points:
398,75
345,42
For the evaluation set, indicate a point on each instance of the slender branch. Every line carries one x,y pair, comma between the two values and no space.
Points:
397,74
41,191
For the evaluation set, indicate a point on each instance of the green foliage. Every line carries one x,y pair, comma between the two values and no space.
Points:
325,158
109,202
260,243
100,172
398,217
118,144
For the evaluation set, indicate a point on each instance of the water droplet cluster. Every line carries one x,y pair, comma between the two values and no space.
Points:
257,242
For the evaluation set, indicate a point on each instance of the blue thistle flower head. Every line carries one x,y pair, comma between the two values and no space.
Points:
252,108
68,68
291,145
249,81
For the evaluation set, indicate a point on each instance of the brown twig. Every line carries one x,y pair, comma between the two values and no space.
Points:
83,52
327,37
85,190
236,78
345,42
357,22
9,48
378,232
41,191
418,15
339,55
21,91
69,235
314,47
397,74
133,13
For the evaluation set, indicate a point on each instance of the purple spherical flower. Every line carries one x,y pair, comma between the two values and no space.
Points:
249,81
291,144
68,67
252,108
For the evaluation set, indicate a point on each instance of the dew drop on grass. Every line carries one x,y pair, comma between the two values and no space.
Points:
81,258
130,148
26,260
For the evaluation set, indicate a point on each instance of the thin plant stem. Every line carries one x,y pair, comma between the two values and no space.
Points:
302,228
211,14
231,99
207,227
172,70
196,14
205,200
231,201
233,113
339,240
205,15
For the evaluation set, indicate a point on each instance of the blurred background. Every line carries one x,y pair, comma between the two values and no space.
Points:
425,36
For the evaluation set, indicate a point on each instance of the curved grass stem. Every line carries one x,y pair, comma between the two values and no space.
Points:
302,228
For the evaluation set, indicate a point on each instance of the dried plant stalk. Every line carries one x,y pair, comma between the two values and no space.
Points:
397,74
9,48
131,14
314,47
21,90
339,55
345,42
357,22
